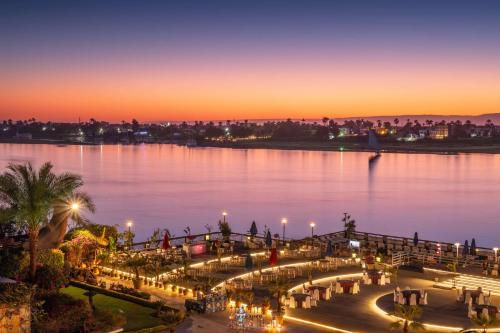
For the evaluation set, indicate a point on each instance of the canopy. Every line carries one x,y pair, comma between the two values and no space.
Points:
269,240
466,250
273,259
166,242
329,249
253,229
473,247
415,239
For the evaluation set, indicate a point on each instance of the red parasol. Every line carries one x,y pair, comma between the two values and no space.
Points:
273,259
166,242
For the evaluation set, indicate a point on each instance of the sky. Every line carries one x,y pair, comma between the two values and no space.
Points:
238,59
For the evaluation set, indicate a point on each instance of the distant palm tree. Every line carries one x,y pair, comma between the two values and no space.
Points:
484,322
29,197
408,315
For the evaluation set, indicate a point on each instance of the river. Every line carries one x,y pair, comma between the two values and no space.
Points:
442,197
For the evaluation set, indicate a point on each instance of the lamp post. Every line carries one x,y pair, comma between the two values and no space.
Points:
284,221
224,214
312,225
496,254
129,226
458,246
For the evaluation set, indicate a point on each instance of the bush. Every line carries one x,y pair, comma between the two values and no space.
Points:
49,278
10,259
63,314
53,258
105,320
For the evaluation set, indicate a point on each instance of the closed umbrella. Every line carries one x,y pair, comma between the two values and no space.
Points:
329,249
466,249
253,229
166,242
269,240
415,239
473,247
273,259
249,262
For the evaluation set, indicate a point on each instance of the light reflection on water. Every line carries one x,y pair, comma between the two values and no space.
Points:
447,198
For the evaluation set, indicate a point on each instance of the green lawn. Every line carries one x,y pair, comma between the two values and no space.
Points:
138,316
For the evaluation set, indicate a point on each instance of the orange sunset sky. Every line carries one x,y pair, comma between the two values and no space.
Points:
177,63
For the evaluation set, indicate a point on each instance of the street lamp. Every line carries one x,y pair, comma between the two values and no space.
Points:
496,254
224,214
284,221
458,246
312,225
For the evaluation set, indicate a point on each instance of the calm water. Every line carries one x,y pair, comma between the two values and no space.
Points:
447,198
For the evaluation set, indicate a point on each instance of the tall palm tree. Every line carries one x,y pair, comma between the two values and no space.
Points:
31,197
408,315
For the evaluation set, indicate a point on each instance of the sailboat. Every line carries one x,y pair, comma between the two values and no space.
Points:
373,144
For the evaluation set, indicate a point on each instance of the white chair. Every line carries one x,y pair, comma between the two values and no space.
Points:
338,288
398,289
315,294
388,279
314,302
485,313
423,301
328,294
401,299
381,281
494,272
467,297
355,288
413,299
480,299
459,295
395,296
471,313
306,304
293,303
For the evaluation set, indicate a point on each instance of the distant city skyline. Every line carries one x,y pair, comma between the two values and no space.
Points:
202,60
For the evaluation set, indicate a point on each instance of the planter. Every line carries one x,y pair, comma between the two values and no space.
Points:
121,276
184,292
137,283
165,286
150,283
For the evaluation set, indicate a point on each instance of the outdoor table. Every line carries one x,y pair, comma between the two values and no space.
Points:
407,294
346,285
299,298
374,275
321,289
492,310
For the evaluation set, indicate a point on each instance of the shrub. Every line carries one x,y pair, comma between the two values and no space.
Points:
64,314
53,258
48,278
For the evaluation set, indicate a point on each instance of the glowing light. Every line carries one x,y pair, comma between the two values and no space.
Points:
312,224
129,223
284,221
75,206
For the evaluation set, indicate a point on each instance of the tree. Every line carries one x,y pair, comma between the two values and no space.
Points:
408,315
29,197
349,225
277,288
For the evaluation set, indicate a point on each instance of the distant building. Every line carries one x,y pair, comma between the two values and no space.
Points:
439,132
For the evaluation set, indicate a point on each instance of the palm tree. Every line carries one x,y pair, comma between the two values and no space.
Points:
484,322
407,315
29,197
277,288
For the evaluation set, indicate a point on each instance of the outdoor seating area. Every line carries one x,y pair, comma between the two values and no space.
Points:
412,297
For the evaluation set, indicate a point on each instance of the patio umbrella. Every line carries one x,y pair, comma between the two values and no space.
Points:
473,247
269,240
466,250
248,262
415,239
166,242
273,259
253,229
329,248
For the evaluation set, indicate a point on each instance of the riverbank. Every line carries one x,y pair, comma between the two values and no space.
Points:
393,147
441,147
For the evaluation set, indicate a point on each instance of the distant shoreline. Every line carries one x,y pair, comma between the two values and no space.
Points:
405,148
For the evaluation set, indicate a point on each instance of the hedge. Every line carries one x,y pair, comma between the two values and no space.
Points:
125,297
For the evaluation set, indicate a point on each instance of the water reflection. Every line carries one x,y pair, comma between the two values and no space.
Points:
452,198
